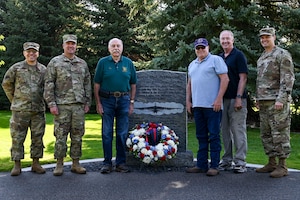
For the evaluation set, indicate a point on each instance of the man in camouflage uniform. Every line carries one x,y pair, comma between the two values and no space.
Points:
275,79
23,84
68,95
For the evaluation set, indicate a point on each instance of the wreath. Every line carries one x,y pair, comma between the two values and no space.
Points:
151,142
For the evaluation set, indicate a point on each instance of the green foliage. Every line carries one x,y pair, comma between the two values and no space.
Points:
2,48
156,34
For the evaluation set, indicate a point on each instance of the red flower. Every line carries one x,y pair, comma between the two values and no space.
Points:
173,150
163,158
154,153
142,155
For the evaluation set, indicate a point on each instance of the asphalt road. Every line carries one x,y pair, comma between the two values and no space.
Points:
138,185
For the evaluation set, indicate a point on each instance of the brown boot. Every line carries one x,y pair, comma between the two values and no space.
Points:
271,166
281,169
59,169
36,167
16,171
76,168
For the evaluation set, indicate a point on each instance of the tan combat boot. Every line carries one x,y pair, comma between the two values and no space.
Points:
59,169
36,167
16,171
76,168
281,169
271,166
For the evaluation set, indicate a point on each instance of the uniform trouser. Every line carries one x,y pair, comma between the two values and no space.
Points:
69,120
20,121
275,129
234,132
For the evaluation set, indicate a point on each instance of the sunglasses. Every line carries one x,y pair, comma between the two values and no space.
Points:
200,47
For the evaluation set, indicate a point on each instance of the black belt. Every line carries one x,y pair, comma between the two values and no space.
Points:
115,94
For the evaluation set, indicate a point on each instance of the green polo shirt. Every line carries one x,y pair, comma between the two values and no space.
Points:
114,76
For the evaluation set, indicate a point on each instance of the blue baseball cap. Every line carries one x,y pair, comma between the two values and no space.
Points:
201,42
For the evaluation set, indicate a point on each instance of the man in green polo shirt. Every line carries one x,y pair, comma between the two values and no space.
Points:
114,89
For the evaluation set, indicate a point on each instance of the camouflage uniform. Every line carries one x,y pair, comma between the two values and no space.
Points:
68,86
23,85
275,79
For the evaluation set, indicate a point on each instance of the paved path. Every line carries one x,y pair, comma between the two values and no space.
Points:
149,185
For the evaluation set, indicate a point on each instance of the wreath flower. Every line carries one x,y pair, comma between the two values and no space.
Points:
151,142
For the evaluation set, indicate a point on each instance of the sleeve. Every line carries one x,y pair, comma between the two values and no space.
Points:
287,77
88,87
8,83
220,65
98,72
49,86
133,78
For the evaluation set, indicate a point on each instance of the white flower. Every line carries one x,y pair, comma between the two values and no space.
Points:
135,132
141,139
175,147
128,142
141,145
169,157
147,159
171,143
134,147
149,152
144,151
159,146
141,131
160,153
164,132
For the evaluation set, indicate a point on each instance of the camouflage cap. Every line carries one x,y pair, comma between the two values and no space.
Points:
267,31
31,45
69,38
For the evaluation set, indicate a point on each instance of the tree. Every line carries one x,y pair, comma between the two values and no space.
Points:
94,22
102,21
171,26
41,21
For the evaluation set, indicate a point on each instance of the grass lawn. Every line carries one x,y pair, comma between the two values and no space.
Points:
92,144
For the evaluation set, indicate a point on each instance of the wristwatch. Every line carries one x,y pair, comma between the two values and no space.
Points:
131,101
239,96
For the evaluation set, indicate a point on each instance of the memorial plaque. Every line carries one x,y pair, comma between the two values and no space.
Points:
160,98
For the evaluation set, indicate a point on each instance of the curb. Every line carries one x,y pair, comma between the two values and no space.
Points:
47,166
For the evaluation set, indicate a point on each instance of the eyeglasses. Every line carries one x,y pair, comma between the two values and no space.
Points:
200,47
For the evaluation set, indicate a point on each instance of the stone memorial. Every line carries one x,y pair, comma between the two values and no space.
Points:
160,98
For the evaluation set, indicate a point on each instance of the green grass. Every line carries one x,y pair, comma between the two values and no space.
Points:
255,154
92,144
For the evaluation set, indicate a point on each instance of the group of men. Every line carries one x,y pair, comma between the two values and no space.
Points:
217,97
215,94
65,86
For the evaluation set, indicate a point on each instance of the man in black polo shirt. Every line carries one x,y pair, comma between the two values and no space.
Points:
234,131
